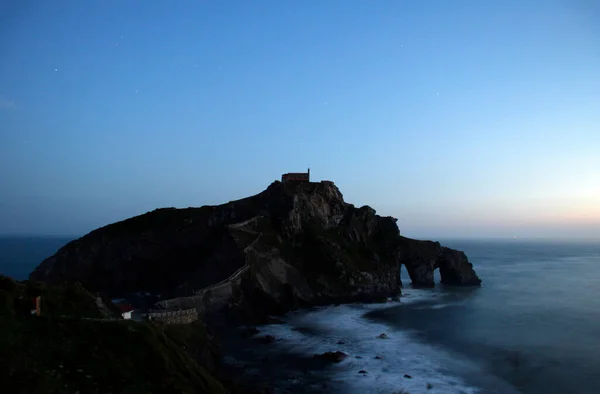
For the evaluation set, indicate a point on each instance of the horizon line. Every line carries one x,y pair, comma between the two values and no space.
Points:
427,238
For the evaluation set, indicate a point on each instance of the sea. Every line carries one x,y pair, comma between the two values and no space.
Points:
20,255
532,327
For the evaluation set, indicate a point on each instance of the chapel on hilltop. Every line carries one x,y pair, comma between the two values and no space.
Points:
296,177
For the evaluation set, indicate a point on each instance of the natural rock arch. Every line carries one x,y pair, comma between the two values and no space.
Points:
422,258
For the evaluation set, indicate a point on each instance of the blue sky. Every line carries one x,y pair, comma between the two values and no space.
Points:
461,118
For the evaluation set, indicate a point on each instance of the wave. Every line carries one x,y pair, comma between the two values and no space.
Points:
398,363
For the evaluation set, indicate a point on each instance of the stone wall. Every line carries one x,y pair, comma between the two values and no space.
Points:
184,316
216,296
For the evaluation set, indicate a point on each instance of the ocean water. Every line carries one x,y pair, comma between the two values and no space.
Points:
533,327
20,255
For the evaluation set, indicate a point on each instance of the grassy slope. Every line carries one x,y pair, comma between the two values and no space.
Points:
41,355
57,355
17,299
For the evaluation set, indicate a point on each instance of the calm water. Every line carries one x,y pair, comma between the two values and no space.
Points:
535,323
20,255
534,326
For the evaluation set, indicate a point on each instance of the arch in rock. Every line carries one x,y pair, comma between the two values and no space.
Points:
422,258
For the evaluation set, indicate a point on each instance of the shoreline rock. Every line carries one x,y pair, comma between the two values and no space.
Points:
335,357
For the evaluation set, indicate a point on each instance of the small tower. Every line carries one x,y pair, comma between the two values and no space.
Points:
308,174
38,306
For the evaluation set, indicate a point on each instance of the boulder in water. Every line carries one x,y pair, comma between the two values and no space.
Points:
334,357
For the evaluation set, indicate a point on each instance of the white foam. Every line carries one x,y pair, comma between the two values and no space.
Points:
400,353
436,306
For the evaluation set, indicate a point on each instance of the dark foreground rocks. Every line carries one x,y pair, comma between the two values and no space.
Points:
334,357
267,339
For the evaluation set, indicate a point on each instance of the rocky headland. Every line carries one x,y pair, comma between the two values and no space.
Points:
290,246
294,245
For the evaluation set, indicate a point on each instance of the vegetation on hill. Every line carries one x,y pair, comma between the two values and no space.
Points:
51,354
17,299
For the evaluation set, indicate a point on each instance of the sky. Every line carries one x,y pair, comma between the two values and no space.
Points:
461,119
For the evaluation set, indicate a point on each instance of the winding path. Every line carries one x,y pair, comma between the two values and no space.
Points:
243,269
221,285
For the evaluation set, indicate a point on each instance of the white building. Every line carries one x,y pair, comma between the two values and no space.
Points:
126,310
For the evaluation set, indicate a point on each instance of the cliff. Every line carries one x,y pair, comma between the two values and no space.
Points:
287,247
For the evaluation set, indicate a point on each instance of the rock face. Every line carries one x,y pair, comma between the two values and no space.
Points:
287,247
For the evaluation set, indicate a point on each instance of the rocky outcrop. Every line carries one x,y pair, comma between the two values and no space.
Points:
422,258
334,357
287,247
